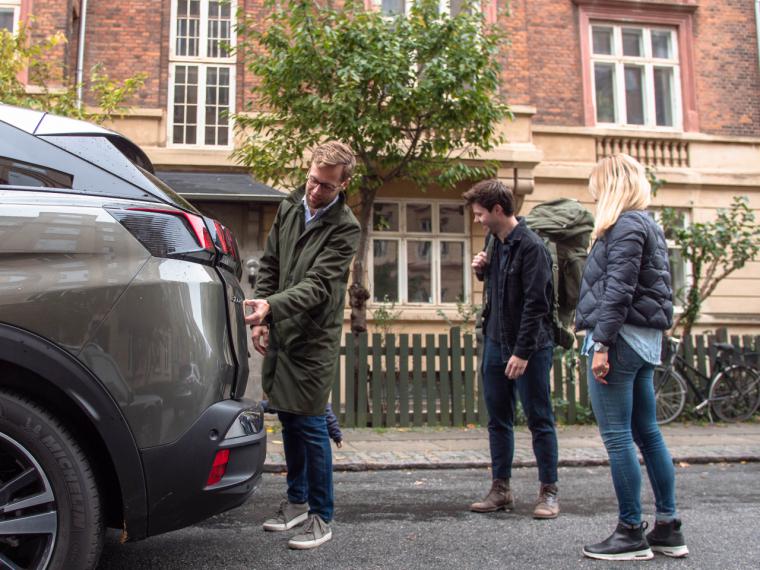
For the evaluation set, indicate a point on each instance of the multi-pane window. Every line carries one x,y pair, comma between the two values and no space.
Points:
202,82
635,73
680,270
418,252
396,7
9,14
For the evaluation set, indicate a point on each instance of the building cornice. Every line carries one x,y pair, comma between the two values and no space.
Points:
644,5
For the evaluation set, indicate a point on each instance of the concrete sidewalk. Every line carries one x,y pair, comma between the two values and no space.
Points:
439,448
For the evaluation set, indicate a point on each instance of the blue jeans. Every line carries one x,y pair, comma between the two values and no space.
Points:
535,395
625,411
309,459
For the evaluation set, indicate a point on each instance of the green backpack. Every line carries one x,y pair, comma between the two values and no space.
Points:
565,226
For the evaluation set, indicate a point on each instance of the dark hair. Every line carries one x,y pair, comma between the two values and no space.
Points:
488,193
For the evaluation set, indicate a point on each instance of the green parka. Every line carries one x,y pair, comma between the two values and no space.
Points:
303,276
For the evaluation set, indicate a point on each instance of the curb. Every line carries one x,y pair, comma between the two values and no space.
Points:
366,466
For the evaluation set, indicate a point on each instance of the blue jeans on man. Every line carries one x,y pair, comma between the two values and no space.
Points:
309,460
535,396
625,411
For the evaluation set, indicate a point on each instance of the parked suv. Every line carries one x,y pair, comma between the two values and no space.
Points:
123,349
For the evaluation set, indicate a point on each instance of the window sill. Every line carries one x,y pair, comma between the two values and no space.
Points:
418,312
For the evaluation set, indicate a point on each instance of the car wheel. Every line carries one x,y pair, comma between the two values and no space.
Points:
50,512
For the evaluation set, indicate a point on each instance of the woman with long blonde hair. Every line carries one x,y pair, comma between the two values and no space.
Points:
626,304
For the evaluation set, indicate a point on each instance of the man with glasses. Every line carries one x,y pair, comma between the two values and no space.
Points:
296,323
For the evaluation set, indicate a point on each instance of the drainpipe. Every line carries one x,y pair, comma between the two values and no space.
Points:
80,50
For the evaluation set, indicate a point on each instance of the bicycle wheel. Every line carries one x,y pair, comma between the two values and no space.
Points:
735,393
669,394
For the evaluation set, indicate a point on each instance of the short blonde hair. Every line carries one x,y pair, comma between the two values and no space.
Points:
618,184
335,153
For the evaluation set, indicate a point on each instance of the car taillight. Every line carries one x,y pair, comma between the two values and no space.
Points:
219,467
227,246
169,233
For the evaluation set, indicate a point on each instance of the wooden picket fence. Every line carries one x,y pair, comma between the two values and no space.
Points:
433,379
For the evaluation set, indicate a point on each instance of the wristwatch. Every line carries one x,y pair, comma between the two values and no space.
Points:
599,347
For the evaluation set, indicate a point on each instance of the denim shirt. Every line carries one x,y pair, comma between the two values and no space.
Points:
645,341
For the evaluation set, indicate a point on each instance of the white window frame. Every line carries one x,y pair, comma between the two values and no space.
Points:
14,5
444,6
402,237
656,212
648,63
203,62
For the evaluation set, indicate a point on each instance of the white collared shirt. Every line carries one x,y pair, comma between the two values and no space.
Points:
311,217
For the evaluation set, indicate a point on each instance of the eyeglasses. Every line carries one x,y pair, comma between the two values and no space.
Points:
313,182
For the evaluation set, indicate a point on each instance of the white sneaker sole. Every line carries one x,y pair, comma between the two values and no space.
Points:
637,555
298,545
673,551
272,526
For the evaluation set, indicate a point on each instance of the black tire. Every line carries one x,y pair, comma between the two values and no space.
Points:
669,394
735,393
42,465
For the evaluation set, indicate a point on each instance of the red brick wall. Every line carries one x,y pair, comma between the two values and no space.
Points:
726,63
542,66
129,37
48,18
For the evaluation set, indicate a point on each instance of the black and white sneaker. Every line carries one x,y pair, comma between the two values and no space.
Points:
626,543
667,538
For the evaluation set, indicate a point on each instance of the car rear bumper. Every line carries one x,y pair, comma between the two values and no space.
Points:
176,474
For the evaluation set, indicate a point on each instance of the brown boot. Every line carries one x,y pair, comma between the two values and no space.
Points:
498,498
547,506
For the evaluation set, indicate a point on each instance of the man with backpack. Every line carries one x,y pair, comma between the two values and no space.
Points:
518,344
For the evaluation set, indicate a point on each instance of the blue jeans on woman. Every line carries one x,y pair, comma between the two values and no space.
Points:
625,412
535,395
309,459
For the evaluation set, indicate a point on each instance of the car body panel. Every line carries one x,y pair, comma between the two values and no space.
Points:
62,267
166,339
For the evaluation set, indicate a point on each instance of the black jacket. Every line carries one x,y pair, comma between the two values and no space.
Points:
526,298
626,280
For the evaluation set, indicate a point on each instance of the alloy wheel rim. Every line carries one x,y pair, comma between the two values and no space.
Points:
28,511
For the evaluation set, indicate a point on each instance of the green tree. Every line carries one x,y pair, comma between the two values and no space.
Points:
412,95
715,250
49,91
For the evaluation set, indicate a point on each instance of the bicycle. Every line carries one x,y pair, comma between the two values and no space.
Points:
732,393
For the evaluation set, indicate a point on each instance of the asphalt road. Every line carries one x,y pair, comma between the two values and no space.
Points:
418,519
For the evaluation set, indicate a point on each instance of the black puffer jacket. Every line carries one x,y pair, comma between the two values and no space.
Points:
626,280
